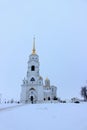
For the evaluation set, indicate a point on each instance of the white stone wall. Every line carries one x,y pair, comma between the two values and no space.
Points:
54,91
40,93
47,94
23,93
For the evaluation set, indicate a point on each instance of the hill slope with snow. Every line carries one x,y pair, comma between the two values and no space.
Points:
45,117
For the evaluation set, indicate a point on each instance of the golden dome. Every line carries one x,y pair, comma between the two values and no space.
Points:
47,79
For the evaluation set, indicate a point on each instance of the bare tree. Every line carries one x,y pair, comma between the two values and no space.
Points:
84,92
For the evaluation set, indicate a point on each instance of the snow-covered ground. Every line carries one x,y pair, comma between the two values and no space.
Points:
68,116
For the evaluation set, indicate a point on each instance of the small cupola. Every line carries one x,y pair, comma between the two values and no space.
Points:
47,82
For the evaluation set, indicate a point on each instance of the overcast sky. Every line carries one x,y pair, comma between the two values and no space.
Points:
60,28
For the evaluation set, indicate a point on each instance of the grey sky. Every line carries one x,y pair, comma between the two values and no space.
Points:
60,27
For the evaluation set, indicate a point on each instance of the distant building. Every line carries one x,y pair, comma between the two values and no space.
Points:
75,99
33,90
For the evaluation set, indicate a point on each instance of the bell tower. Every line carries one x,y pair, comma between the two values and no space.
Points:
33,83
33,66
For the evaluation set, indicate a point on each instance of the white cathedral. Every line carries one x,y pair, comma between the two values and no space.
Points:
33,90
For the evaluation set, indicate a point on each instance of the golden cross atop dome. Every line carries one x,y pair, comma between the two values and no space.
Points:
34,50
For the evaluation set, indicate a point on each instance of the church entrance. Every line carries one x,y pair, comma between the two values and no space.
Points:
32,99
32,96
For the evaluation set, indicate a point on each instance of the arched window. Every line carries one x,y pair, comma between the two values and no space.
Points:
32,79
48,98
32,68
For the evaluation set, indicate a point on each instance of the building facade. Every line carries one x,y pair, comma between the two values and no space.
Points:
33,90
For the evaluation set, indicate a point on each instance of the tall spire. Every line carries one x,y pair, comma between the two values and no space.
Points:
34,50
